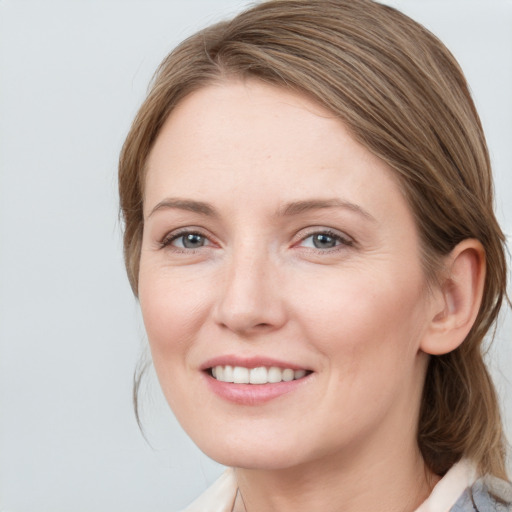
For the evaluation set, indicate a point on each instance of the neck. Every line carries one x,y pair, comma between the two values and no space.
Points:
372,482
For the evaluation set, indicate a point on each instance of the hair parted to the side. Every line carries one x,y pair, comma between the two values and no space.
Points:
404,97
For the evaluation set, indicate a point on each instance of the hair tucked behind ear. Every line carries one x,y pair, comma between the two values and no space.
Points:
404,97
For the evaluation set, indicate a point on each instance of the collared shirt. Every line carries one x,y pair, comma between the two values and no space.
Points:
458,491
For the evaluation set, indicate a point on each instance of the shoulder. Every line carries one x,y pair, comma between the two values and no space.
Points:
217,498
487,494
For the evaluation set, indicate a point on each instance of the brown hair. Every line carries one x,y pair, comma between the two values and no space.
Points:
404,97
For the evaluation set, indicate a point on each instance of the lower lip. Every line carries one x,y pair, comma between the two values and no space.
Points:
252,394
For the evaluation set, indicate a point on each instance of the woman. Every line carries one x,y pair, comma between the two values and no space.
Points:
307,200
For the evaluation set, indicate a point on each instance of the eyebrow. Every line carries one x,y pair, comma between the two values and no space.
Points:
288,210
299,207
185,204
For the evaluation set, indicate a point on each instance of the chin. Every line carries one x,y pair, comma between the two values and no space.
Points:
267,454
256,460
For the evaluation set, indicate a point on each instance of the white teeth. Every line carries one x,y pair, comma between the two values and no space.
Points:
228,374
275,374
287,375
240,375
259,375
298,374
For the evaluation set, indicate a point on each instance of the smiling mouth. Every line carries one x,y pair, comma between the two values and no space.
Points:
258,375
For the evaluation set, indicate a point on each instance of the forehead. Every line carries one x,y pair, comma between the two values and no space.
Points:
249,141
234,113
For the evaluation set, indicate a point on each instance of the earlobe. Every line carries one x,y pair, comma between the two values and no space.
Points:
457,299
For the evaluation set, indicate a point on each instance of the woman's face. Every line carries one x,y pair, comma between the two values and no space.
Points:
276,247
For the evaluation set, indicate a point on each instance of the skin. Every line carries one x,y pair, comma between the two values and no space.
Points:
356,314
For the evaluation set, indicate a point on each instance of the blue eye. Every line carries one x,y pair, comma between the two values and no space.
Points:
186,241
324,240
192,241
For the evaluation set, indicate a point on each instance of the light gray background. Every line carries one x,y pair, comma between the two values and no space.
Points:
72,74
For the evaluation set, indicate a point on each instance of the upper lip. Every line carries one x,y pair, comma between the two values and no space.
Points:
249,362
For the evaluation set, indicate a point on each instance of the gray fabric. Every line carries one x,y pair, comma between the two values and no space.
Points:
487,494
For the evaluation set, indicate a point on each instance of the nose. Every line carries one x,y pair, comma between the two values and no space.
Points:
250,297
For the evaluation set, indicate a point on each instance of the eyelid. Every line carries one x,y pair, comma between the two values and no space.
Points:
171,236
342,237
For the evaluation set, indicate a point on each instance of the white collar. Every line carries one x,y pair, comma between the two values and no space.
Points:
449,489
220,497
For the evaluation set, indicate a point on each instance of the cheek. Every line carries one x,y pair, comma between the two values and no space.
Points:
369,336
172,309
359,317
170,318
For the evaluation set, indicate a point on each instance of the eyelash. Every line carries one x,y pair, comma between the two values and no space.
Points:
341,240
171,237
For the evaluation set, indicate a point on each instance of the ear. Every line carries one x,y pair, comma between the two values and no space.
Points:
457,298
